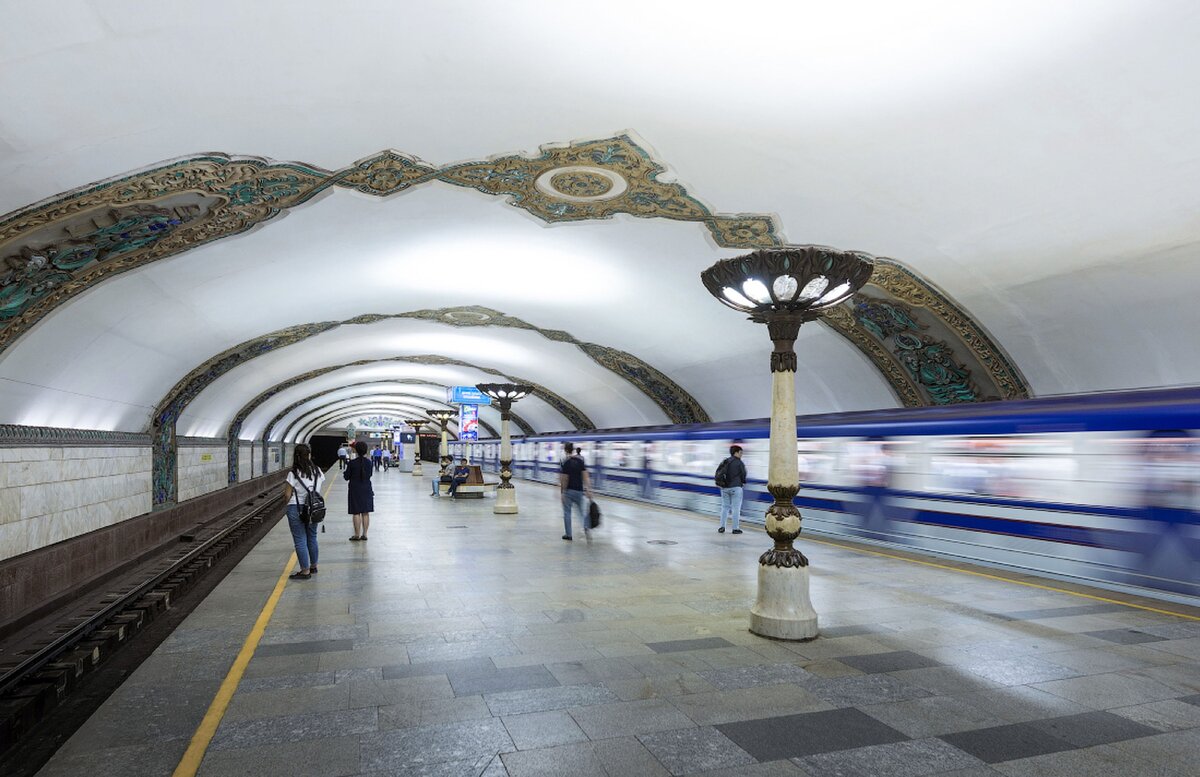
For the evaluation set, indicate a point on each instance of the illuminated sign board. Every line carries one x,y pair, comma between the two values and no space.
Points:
466,395
468,422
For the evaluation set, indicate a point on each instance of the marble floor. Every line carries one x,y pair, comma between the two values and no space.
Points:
458,642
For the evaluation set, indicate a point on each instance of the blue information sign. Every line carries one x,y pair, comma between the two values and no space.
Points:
466,395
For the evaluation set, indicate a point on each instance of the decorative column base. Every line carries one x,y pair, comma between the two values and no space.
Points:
506,501
783,609
416,470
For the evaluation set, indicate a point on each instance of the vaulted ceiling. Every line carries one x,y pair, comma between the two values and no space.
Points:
245,217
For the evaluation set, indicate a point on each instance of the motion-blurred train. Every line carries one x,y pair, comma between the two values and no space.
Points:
1102,489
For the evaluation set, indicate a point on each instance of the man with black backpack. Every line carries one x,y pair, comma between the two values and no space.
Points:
731,479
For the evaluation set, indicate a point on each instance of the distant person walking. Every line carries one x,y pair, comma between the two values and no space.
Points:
387,459
303,479
575,485
377,456
731,479
360,496
343,457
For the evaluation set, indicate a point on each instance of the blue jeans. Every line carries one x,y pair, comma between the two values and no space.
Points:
454,484
576,498
731,504
304,536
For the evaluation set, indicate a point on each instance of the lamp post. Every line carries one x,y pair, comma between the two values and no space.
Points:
416,424
504,394
783,288
443,418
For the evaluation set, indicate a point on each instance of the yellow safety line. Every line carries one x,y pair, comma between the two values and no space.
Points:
855,549
190,763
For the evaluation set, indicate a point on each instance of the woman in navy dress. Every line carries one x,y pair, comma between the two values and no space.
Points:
361,495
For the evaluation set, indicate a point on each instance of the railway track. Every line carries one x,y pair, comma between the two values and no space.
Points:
44,663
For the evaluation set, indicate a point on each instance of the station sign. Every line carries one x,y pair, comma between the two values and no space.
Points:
466,395
468,422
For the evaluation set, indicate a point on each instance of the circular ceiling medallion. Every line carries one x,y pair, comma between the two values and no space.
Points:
581,183
465,316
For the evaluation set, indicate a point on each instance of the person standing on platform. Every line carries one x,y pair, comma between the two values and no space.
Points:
343,457
304,478
387,459
574,484
731,479
360,497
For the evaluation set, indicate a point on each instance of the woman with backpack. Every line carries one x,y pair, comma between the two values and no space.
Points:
360,497
304,480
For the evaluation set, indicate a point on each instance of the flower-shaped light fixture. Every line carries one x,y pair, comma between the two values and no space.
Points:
505,393
443,417
795,281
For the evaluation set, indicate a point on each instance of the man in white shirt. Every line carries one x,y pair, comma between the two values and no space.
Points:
343,457
387,459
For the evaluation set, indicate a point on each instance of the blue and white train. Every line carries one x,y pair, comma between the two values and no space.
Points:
1102,489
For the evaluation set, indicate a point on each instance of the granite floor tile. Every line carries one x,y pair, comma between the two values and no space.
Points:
1166,715
307,680
1187,648
864,689
679,645
287,701
895,661
1094,728
1126,636
750,676
659,686
1019,671
691,750
897,759
324,757
241,734
593,671
629,718
536,730
431,712
403,749
1163,747
1019,703
152,759
945,680
933,716
577,760
1060,612
794,736
627,756
543,699
1104,691
377,693
1194,700
515,679
1008,742
138,714
781,768
479,665
421,652
1101,760
708,709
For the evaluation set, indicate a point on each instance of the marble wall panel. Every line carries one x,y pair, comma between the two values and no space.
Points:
50,494
245,462
202,470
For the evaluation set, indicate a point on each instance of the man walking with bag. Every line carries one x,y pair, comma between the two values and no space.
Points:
731,479
574,483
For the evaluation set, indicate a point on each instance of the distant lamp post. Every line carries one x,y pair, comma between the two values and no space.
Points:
416,424
783,288
443,419
504,394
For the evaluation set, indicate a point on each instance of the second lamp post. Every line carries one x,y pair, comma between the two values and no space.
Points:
504,394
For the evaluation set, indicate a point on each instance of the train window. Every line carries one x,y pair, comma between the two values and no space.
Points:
625,455
673,456
1029,467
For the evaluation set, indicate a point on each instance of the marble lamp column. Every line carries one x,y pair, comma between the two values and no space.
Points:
504,394
783,288
416,424
443,418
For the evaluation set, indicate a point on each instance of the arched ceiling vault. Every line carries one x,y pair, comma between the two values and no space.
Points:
299,429
290,431
61,247
377,388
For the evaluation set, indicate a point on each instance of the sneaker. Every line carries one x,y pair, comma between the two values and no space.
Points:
567,537
300,576
721,530
312,570
737,531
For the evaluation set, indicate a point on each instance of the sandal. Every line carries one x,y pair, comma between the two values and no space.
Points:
355,538
300,576
312,570
363,538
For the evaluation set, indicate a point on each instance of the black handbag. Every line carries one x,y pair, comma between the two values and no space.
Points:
593,514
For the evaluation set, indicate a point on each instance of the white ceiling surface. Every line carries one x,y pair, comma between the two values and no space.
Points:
1036,160
430,397
349,411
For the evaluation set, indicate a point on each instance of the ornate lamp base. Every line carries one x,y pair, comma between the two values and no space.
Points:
783,609
506,501
416,470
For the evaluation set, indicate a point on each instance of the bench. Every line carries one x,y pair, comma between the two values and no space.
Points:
475,486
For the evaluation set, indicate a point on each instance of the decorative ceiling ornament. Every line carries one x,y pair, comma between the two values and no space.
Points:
586,180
